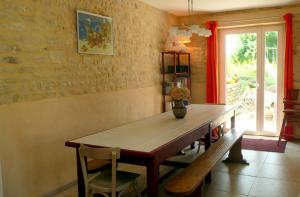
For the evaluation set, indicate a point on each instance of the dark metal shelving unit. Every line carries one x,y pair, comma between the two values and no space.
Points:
176,58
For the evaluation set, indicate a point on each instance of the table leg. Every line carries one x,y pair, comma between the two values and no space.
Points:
192,145
232,121
80,181
221,127
207,145
207,142
152,178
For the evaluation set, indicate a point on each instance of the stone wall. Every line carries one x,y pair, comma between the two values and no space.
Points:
233,93
197,48
49,93
38,49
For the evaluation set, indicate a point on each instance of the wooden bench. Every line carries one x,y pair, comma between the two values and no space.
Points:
189,180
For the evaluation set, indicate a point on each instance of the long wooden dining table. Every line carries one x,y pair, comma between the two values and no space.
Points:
150,141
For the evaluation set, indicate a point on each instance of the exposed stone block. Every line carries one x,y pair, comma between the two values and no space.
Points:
38,45
10,60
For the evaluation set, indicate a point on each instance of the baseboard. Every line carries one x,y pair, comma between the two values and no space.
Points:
1,183
60,189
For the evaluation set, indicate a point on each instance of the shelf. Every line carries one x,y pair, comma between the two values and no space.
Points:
176,72
173,52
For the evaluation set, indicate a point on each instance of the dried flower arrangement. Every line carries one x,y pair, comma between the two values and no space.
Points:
180,93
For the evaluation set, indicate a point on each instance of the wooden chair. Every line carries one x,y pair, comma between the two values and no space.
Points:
291,112
109,182
294,93
95,166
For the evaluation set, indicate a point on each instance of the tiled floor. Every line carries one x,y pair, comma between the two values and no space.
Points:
268,175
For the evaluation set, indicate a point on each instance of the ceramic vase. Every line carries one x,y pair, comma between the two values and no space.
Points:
179,109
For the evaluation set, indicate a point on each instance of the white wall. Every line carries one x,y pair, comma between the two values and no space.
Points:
33,133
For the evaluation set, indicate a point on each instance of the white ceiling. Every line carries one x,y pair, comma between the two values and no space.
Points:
180,7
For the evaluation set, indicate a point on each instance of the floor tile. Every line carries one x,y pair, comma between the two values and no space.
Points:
252,156
255,156
251,170
263,187
212,193
281,172
235,184
292,159
294,145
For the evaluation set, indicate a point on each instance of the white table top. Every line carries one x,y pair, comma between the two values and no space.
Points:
150,133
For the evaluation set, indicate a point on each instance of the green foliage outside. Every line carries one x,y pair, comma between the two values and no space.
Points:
241,65
271,47
246,50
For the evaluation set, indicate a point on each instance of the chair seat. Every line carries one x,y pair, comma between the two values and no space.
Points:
102,182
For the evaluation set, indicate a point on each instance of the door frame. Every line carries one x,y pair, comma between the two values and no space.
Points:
260,31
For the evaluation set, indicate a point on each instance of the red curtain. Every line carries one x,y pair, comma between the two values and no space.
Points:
211,65
212,69
288,67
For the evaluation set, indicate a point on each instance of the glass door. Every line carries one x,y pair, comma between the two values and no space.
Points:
251,77
272,79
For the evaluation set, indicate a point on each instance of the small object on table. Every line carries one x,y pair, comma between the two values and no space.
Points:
178,95
179,109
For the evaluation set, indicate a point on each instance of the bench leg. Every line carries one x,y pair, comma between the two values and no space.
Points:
235,154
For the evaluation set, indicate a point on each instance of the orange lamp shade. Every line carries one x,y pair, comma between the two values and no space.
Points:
184,39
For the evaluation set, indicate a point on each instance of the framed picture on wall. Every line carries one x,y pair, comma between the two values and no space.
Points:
95,35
